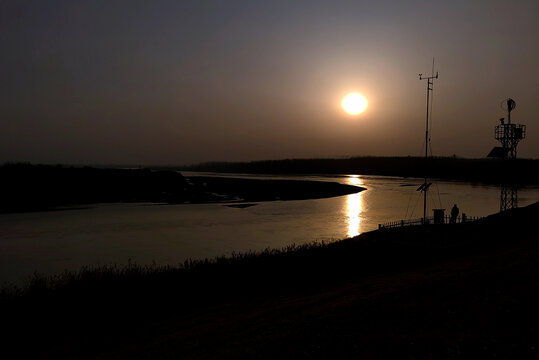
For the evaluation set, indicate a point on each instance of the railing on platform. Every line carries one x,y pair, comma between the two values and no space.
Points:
428,220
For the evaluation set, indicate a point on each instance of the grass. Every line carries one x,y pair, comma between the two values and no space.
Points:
119,278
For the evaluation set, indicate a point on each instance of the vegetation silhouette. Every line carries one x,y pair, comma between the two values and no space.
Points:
38,187
462,290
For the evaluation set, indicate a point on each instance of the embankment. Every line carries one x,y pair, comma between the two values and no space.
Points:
453,291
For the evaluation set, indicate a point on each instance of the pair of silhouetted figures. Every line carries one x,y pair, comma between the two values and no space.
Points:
454,214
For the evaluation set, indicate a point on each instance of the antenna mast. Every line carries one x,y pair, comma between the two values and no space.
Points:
424,188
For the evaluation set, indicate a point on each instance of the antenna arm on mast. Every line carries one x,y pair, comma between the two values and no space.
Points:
428,78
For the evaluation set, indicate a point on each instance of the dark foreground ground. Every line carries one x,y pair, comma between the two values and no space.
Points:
437,292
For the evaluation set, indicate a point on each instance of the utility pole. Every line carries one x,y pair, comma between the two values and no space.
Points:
425,186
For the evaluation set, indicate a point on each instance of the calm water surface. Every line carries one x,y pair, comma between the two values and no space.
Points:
49,242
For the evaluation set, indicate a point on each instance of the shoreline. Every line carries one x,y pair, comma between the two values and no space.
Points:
30,188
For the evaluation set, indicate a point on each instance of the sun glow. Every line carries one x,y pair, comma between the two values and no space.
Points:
354,103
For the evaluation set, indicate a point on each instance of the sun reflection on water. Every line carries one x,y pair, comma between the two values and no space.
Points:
354,208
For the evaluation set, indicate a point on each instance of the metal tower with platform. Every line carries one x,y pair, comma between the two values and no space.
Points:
509,135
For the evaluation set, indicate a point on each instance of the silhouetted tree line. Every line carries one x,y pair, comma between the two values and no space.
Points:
522,171
29,187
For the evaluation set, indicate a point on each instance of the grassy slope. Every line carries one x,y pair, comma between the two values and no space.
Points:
462,291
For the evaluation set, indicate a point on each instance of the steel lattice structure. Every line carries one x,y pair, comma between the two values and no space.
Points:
509,135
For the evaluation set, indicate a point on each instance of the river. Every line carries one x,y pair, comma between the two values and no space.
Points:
50,242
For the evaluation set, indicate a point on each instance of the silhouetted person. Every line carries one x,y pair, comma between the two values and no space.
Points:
454,214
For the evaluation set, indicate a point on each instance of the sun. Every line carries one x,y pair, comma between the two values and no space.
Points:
354,103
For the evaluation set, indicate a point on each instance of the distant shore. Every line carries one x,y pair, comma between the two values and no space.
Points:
490,171
450,291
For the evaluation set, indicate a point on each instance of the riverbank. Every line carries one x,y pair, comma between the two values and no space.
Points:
41,187
460,291
241,189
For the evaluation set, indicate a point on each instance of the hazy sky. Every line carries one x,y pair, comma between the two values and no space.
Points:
178,82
